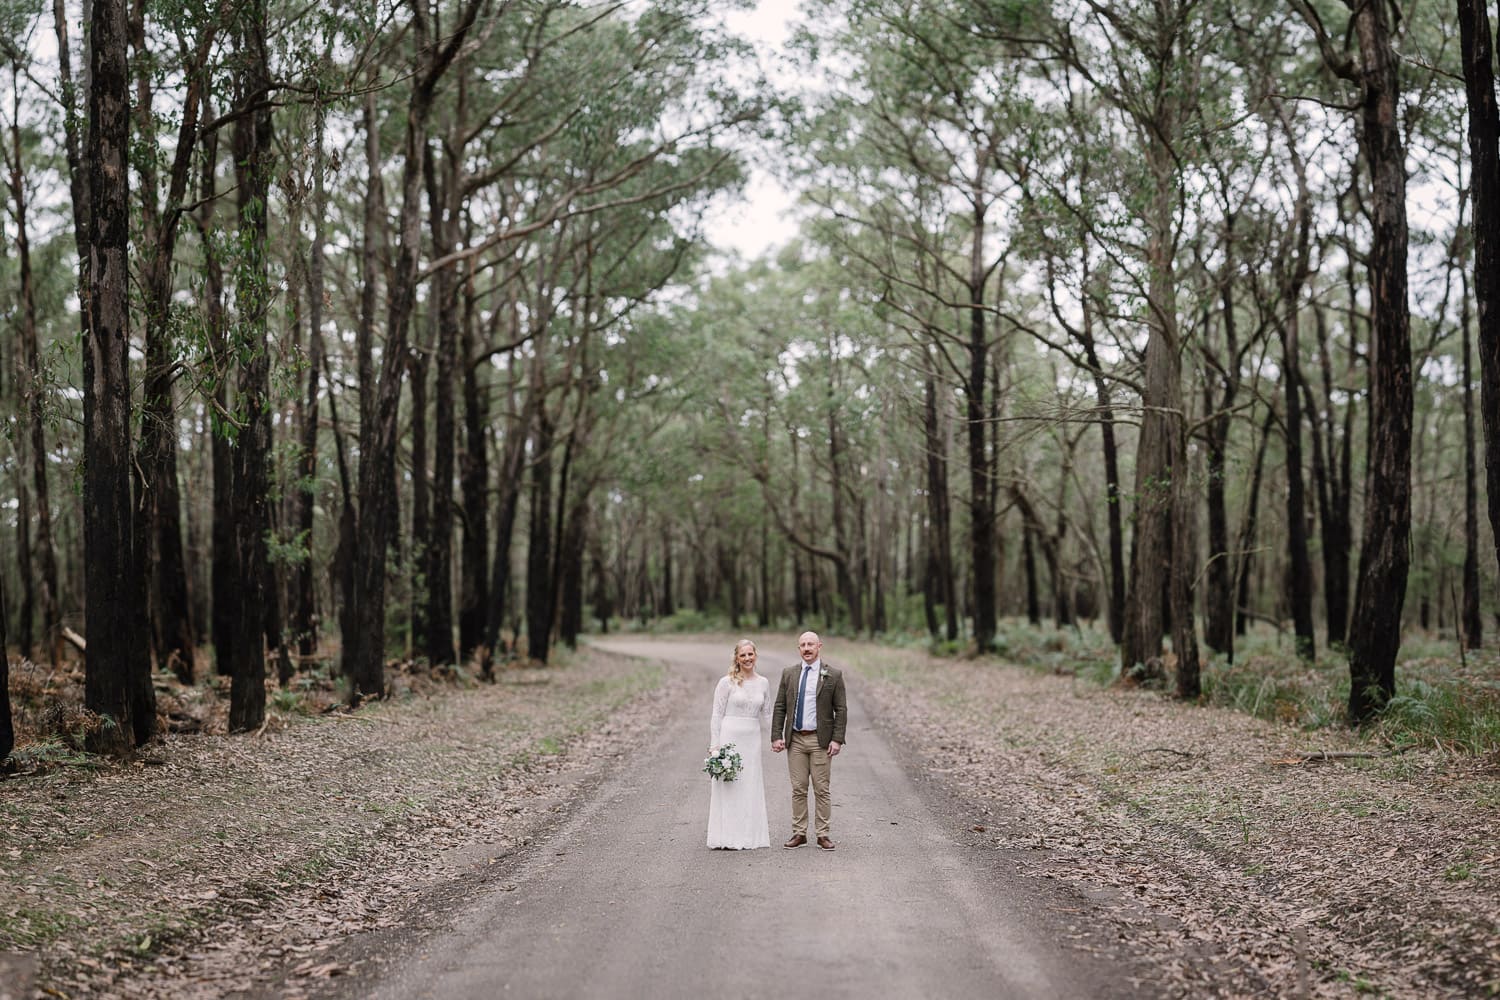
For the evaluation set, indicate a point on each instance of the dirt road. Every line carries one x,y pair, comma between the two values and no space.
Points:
624,900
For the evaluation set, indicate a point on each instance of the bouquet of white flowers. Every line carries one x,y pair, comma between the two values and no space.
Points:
724,764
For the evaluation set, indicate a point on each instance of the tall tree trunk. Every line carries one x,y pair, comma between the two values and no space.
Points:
1028,565
1163,559
473,476
7,723
981,486
1299,583
941,582
364,651
1297,269
305,617
1375,632
26,619
570,573
848,589
253,611
1249,527
115,664
158,516
444,209
421,499
1478,56
1334,493
32,405
539,564
1218,619
1471,628
224,573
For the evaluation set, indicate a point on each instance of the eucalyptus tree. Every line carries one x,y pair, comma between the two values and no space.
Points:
1478,61
30,382
1373,72
433,53
117,673
931,114
163,201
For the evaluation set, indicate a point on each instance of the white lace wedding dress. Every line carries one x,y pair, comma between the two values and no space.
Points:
737,809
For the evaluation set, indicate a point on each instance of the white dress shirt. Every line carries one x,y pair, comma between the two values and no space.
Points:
809,696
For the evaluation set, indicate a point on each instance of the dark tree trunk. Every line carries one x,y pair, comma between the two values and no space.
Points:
444,211
1296,269
981,492
570,572
1115,517
1484,170
601,600
667,606
1218,619
474,474
305,620
116,667
1375,632
26,618
1333,476
539,564
505,521
941,577
1248,529
253,609
364,661
7,723
1028,560
421,499
32,404
73,118
1299,584
848,589
1471,627
223,575
158,518
512,466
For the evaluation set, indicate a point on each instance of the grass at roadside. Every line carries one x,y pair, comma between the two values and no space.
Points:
1442,696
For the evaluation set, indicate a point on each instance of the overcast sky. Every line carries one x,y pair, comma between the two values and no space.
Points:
764,218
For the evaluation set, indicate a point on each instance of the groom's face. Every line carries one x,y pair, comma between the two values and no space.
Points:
809,645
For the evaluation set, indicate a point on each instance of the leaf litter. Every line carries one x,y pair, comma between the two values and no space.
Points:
1232,873
236,865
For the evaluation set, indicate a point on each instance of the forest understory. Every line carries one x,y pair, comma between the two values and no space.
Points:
1198,838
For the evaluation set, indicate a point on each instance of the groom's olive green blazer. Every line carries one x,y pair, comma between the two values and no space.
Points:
833,712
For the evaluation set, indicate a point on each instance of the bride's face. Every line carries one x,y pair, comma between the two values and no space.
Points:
746,659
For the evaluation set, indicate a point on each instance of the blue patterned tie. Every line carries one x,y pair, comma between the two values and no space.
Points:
801,692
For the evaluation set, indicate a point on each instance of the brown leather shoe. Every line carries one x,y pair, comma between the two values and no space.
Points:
797,841
825,843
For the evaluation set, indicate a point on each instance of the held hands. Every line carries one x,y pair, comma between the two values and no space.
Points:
778,745
834,748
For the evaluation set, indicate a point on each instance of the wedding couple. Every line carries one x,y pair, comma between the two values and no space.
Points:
807,715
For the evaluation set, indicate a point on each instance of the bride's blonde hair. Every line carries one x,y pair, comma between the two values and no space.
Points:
735,674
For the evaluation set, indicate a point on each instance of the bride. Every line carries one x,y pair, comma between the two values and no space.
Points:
742,711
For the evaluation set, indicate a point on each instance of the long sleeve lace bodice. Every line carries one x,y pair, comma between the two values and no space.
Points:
750,700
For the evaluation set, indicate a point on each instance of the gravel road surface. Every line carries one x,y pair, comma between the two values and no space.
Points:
624,900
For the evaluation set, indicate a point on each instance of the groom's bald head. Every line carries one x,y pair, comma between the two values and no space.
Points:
809,645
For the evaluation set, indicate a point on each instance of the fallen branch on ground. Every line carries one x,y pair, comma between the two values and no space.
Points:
1314,756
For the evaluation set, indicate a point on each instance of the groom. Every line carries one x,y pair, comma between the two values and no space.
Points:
809,724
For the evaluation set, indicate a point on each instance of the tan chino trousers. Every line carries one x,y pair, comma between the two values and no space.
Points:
804,759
